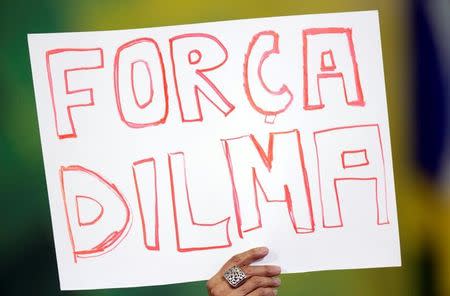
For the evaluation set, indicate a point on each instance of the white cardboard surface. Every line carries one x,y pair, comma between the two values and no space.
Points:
151,188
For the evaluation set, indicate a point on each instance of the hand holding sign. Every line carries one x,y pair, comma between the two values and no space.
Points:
260,279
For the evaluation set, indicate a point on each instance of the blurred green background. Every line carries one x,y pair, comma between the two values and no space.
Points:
27,256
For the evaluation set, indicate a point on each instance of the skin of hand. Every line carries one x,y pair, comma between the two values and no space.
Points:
261,280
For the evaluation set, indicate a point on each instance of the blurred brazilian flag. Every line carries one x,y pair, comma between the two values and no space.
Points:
27,256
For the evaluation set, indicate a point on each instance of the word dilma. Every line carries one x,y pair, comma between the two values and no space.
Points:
98,215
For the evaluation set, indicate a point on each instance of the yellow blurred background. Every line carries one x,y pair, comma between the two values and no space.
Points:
27,258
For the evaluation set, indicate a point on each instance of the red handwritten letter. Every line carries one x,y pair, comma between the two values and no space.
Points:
144,173
191,235
194,55
329,57
352,155
97,214
140,83
263,99
68,70
279,174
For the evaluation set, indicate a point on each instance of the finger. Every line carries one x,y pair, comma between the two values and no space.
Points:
264,292
263,270
256,282
246,257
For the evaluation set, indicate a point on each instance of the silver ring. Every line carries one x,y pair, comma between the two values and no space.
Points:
235,276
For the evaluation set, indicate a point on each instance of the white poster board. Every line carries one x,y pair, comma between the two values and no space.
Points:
167,150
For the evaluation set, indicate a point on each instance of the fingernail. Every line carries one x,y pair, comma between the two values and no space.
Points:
275,291
276,269
276,281
263,250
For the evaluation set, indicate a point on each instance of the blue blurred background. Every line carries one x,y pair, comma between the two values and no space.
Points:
416,49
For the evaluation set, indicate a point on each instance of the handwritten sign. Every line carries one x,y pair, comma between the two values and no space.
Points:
168,150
